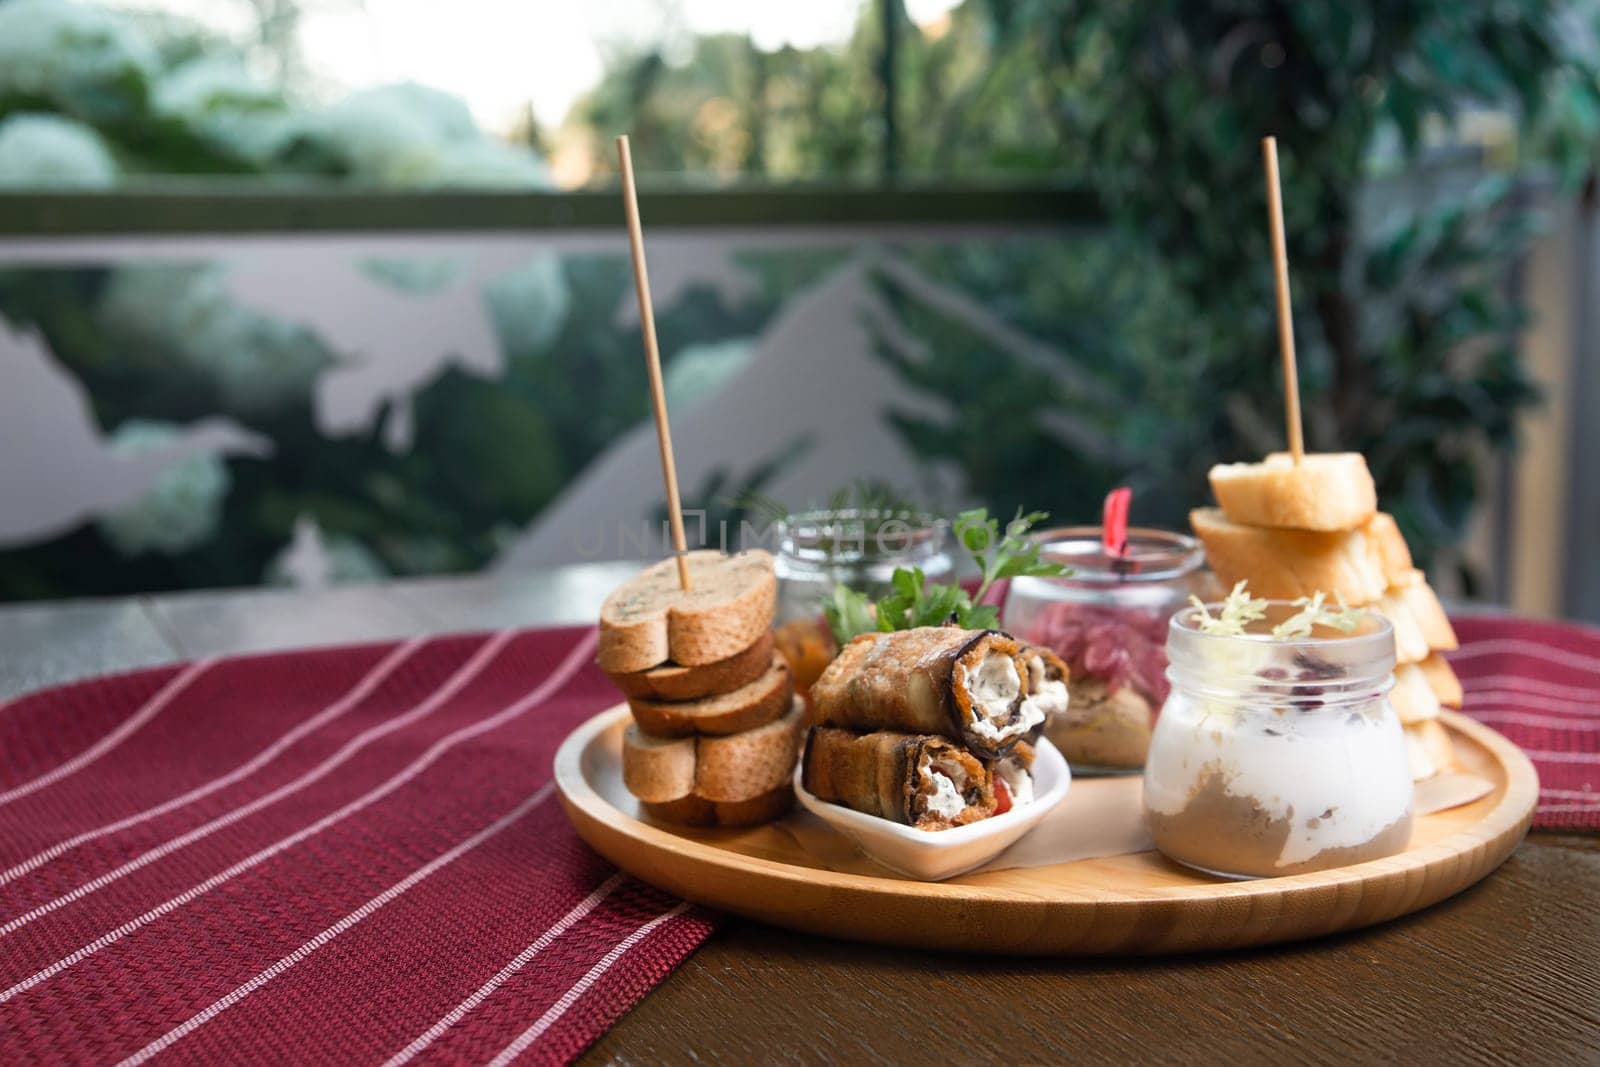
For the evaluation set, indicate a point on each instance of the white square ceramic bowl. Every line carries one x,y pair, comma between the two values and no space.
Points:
934,855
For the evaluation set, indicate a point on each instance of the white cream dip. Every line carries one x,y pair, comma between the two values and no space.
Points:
994,687
946,800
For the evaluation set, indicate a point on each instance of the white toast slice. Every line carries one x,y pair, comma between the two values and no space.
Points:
1388,547
1285,564
1326,491
1442,680
1413,698
1410,644
1419,596
1429,749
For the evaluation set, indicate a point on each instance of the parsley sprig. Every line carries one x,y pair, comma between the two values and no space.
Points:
912,602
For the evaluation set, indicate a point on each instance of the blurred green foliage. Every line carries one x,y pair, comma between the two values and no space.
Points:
1154,349
569,389
969,103
1406,311
1406,132
166,97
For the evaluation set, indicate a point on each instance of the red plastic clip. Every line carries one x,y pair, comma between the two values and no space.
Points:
1114,521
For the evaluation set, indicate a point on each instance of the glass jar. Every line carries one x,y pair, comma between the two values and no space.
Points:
1278,757
1108,621
818,550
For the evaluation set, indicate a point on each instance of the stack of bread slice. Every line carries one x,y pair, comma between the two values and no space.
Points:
1292,531
716,726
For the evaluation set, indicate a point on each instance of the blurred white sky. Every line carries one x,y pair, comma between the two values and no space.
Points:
499,55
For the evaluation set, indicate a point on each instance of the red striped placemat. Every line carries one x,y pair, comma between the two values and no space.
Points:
1539,684
349,855
353,854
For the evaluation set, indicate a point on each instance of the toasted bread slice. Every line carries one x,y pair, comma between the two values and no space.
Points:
672,681
1388,547
746,708
1442,680
649,620
1285,564
1325,491
698,811
745,765
1429,749
1411,696
657,769
1410,645
1424,603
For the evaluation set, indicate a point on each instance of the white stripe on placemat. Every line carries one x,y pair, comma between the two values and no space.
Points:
574,660
1528,718
1517,646
1512,698
222,1004
363,689
1532,685
500,977
581,986
1554,756
1571,794
458,681
1552,809
149,710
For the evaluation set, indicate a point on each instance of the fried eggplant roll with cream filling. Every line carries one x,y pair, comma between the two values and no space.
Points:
961,684
1011,776
920,780
1045,679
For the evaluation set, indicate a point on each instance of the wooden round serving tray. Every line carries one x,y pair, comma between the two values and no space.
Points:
1137,903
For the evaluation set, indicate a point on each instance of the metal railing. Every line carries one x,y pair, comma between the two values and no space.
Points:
244,207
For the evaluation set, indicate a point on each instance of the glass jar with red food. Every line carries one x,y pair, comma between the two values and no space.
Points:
1107,620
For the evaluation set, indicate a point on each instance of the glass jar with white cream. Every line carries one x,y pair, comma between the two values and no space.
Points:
1278,756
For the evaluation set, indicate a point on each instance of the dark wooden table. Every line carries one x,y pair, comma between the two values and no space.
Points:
1508,971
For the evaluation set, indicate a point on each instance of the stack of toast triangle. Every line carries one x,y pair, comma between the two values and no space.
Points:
1293,531
716,727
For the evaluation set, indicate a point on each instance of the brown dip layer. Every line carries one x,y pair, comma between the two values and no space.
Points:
1101,729
1231,834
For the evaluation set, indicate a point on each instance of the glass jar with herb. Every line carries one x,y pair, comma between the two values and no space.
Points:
1277,751
857,548
818,550
918,588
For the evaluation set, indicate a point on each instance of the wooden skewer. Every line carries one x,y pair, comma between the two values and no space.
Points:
1280,267
652,360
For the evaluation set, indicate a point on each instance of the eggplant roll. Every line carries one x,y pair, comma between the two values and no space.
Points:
962,684
1045,678
1012,778
916,779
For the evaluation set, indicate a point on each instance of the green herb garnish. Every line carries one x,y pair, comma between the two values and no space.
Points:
912,602
1314,612
849,613
1239,609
